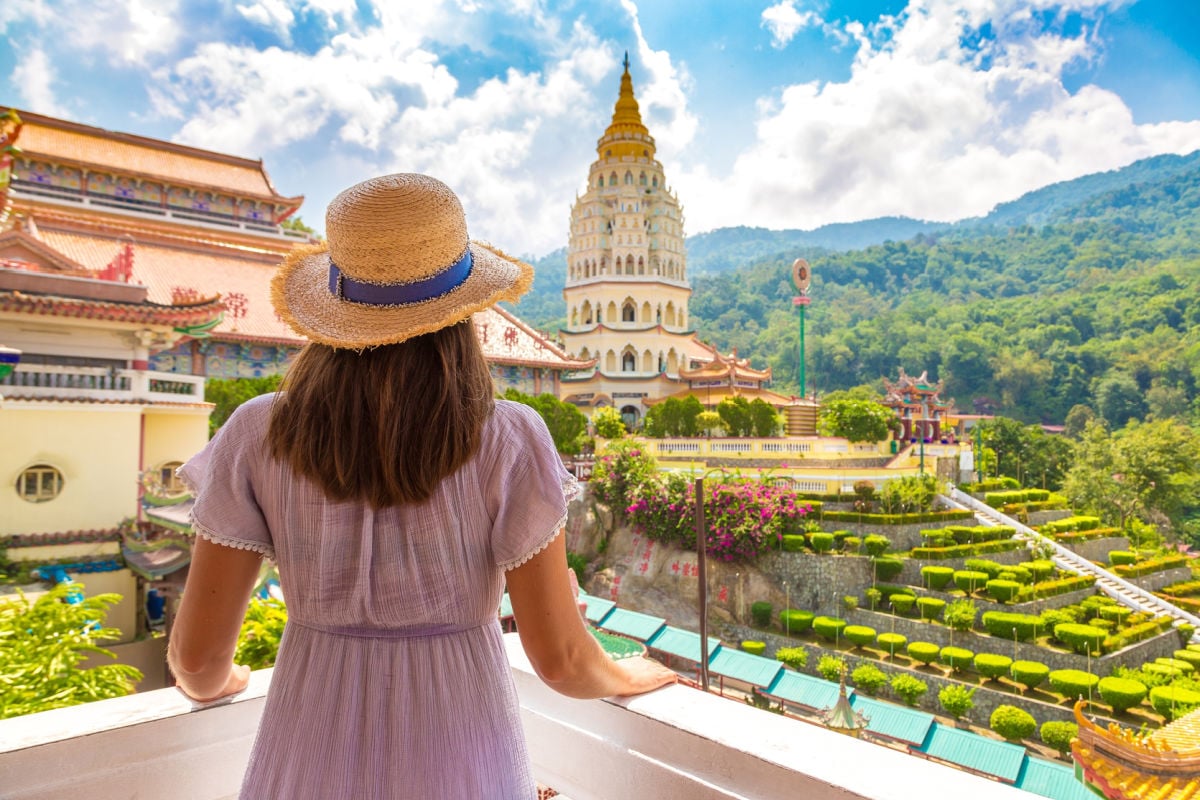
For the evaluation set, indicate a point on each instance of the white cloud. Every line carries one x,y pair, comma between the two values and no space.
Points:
274,14
929,126
784,22
34,76
129,30
663,98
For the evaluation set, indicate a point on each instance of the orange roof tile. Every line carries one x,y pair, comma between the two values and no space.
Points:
123,153
524,346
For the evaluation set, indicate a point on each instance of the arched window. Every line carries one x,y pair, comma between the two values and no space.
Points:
612,179
628,362
641,262
627,313
642,179
654,181
39,483
612,310
647,362
587,313
610,362
629,179
629,415
645,312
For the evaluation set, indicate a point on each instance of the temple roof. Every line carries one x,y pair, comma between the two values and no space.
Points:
63,142
626,135
723,366
1126,765
508,340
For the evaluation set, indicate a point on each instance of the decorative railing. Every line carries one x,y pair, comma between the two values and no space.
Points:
676,742
51,381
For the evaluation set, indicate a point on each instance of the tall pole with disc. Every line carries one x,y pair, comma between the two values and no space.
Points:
802,277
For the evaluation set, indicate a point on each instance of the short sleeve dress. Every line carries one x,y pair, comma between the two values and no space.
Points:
391,679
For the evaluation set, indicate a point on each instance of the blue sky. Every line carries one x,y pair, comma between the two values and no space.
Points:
779,113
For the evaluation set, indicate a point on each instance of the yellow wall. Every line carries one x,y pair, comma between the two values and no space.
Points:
96,449
174,436
123,615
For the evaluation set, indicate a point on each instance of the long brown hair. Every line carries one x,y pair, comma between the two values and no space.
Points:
387,424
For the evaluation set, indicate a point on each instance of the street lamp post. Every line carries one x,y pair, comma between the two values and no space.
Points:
802,277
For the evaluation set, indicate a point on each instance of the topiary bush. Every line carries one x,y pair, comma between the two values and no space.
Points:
852,544
821,542
792,543
891,642
902,603
992,665
868,678
849,602
1003,591
956,658
859,635
1006,624
873,596
1116,557
1121,694
1041,568
754,647
1190,656
876,545
930,608
1080,638
908,688
1058,735
970,581
887,568
958,700
1029,674
794,657
829,628
936,577
1117,613
925,652
1073,683
761,613
1184,667
795,620
831,667
1012,723
1173,701
984,565
960,614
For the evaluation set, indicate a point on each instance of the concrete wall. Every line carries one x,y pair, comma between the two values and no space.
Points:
174,436
1097,549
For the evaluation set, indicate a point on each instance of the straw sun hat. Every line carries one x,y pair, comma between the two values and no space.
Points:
397,264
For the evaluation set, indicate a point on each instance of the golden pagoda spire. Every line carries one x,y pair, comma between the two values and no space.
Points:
626,135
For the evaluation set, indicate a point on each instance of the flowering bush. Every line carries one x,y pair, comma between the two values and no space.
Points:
619,472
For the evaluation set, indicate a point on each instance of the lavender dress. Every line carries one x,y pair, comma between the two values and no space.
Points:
391,680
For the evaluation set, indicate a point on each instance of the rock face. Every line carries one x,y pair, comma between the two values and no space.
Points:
642,575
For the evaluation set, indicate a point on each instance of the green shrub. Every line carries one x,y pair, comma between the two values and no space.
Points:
1029,674
1117,614
887,568
1073,683
1186,632
849,602
868,678
753,647
1106,625
970,581
822,542
1012,723
1003,590
1173,701
1184,667
908,688
831,667
873,596
1053,617
795,620
930,608
957,658
876,545
828,628
891,641
859,635
852,544
960,615
925,652
1151,565
988,567
1080,638
1116,557
1121,694
1190,656
761,613
992,665
794,657
1058,735
902,603
1162,671
792,543
937,577
1040,568
1017,573
1007,625
958,700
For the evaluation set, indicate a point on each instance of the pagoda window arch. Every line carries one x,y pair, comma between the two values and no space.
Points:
658,314
628,178
612,179
584,354
672,361
574,317
682,318
610,362
628,313
647,361
642,179
654,181
669,316
611,314
655,266
646,312
641,262
587,312
628,361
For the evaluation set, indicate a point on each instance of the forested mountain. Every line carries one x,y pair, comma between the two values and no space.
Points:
1081,293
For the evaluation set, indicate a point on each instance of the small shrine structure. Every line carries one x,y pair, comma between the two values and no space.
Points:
918,404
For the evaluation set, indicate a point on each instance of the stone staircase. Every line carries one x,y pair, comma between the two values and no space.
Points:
1117,588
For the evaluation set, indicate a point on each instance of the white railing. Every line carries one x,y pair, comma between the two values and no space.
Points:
750,447
676,743
101,383
1066,559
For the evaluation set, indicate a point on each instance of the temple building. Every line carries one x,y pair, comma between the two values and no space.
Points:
1121,764
919,405
627,287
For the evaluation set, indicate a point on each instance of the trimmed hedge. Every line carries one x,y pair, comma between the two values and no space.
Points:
970,581
1121,557
794,657
891,641
957,658
1189,655
1117,614
1041,568
1184,667
1137,633
887,568
1173,701
1058,735
992,665
1080,638
1012,723
828,628
987,566
930,608
1121,694
1029,674
753,647
1004,623
1151,565
892,519
925,652
1079,523
1052,588
961,550
822,542
859,635
1003,591
903,603
876,544
796,620
761,612
792,543
937,577
1073,683
998,499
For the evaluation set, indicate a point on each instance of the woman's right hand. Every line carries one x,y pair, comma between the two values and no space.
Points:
644,675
